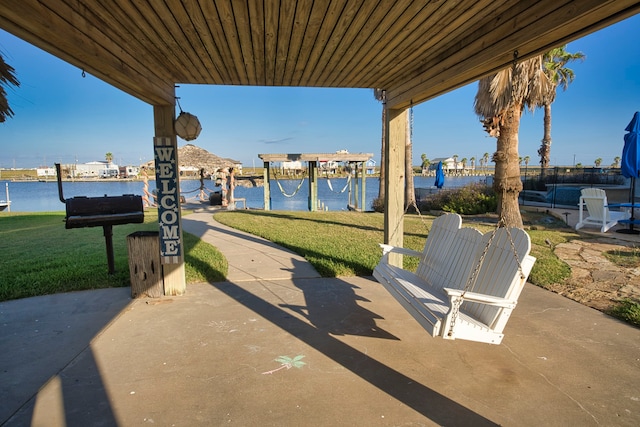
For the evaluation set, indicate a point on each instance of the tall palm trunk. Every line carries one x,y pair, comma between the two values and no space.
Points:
545,148
507,183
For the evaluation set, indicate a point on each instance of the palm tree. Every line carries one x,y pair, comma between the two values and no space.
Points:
425,161
7,78
464,164
500,101
554,65
473,163
616,162
380,95
108,157
598,162
485,161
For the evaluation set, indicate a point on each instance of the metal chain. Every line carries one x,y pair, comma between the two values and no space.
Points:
455,309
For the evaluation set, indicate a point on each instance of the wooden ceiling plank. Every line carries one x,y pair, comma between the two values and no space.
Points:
241,15
347,42
283,44
343,26
366,38
211,55
327,27
219,40
392,26
94,28
158,35
316,16
256,23
271,19
414,42
39,25
485,44
145,91
456,48
560,27
300,22
181,29
442,25
139,39
227,19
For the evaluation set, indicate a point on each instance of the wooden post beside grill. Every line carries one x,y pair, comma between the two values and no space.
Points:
105,212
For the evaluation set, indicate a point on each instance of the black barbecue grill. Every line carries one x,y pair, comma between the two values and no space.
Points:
105,212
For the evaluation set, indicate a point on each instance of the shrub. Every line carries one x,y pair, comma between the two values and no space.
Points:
378,205
472,199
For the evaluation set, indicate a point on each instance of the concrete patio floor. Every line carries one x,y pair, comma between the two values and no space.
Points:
99,358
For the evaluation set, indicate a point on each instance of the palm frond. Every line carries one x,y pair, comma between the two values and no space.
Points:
7,78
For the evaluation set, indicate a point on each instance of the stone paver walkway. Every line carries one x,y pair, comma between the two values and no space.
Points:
595,280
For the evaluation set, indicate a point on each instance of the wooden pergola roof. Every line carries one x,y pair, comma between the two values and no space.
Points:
415,50
316,157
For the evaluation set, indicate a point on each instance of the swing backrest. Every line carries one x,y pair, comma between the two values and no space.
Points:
441,235
461,258
499,273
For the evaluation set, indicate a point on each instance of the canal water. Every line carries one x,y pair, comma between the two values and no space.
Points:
36,196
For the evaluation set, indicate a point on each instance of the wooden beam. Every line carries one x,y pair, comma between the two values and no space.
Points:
394,181
308,157
266,186
493,50
313,186
169,212
92,51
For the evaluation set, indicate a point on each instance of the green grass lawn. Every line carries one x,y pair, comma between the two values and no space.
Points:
346,243
40,256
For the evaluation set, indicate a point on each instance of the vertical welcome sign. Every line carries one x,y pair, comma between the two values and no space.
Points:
168,198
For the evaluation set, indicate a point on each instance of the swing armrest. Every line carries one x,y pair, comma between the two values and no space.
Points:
456,294
386,249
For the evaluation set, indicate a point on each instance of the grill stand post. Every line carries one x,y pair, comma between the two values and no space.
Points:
108,240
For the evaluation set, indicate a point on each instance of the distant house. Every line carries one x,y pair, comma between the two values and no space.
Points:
189,171
45,172
371,167
291,168
328,166
96,169
129,171
448,165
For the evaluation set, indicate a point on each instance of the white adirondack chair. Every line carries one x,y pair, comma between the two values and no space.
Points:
599,215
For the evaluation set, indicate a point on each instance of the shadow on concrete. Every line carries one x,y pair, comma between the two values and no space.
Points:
46,357
333,308
431,404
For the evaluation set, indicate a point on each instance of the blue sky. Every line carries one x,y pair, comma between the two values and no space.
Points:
62,117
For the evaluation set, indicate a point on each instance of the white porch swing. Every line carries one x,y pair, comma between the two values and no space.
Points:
466,284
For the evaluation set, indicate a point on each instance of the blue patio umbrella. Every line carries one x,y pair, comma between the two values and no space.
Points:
439,176
630,164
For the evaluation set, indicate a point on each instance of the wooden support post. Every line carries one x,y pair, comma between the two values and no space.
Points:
313,185
145,269
165,146
350,202
356,195
363,198
394,181
266,186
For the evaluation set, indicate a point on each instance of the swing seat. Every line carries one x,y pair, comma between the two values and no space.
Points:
450,257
